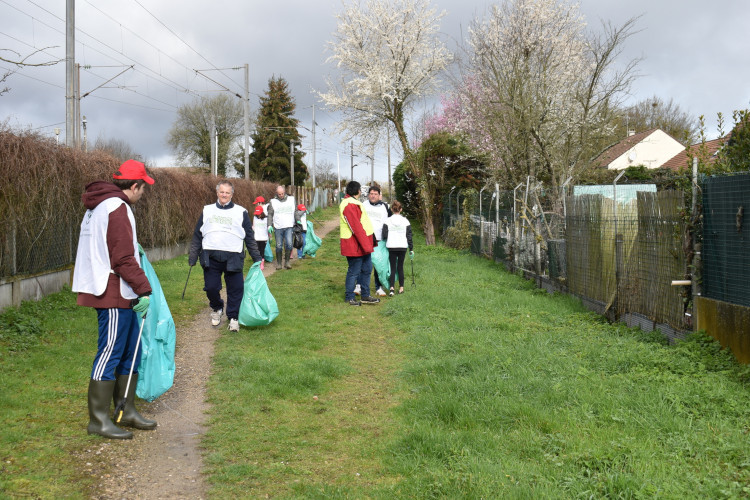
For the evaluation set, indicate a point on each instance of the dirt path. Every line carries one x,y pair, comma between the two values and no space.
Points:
167,463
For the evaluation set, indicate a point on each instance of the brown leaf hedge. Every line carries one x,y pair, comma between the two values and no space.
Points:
41,184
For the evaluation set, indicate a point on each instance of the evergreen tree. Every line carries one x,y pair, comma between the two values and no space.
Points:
275,129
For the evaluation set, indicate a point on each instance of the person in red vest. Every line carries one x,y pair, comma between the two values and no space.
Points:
356,245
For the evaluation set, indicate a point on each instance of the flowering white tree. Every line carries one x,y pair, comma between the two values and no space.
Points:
389,55
544,93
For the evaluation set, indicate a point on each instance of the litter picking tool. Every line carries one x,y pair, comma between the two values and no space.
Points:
186,282
413,284
120,409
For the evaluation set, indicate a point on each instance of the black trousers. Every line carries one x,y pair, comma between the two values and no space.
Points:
396,257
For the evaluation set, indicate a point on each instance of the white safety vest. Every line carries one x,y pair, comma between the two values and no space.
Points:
397,225
260,228
222,228
377,214
283,212
92,269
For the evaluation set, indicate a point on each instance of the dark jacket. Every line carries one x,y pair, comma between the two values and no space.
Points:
121,252
235,260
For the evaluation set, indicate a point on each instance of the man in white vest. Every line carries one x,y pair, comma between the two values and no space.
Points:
378,211
281,217
108,277
218,243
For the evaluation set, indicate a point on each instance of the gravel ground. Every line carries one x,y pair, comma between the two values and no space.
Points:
166,463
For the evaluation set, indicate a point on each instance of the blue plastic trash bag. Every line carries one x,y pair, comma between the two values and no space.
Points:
381,263
258,305
268,253
313,242
156,371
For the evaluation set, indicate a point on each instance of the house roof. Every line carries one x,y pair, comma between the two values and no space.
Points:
681,159
618,149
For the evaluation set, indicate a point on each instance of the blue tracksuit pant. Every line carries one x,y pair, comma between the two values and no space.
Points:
118,335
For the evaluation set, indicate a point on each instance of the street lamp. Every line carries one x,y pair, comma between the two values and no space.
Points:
57,135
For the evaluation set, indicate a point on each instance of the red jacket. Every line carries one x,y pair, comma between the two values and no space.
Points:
359,243
121,251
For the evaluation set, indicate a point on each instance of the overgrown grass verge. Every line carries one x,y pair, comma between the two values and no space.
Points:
46,352
519,394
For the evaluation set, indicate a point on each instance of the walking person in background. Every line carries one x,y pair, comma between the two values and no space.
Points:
378,212
397,236
301,215
356,245
217,242
108,277
281,218
260,231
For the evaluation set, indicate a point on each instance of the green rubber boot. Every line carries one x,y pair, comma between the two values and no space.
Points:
130,416
278,258
287,253
100,399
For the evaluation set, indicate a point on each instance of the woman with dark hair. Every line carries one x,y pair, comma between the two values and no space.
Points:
397,236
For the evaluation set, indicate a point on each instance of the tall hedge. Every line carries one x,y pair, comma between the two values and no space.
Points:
42,183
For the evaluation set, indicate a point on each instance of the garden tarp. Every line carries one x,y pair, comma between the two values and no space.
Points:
313,242
156,371
258,306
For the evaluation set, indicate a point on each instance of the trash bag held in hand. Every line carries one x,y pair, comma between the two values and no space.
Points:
381,263
268,253
156,371
258,305
313,242
297,241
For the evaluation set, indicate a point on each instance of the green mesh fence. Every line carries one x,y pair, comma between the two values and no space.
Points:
726,238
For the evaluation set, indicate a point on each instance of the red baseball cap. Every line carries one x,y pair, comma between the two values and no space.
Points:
132,170
301,207
259,199
258,210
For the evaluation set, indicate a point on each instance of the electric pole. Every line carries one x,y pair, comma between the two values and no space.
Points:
351,178
291,163
313,147
70,56
388,134
247,121
214,168
372,167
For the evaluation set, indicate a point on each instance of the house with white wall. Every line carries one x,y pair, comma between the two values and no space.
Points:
652,149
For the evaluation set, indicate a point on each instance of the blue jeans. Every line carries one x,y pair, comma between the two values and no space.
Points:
284,236
359,272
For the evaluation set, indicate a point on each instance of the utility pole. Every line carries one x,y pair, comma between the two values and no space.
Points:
351,178
214,170
70,57
291,163
247,121
372,167
85,141
388,134
77,95
313,147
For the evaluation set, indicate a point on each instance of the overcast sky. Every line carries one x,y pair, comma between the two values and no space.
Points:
695,52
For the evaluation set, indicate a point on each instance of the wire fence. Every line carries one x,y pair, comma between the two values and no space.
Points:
621,258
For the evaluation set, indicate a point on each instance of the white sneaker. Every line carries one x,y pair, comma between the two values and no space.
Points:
380,292
357,290
216,317
234,325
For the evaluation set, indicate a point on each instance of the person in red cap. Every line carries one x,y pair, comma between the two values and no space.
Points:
260,228
108,277
300,217
261,202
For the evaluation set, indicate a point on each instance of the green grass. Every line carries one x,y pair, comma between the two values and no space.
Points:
476,385
46,352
